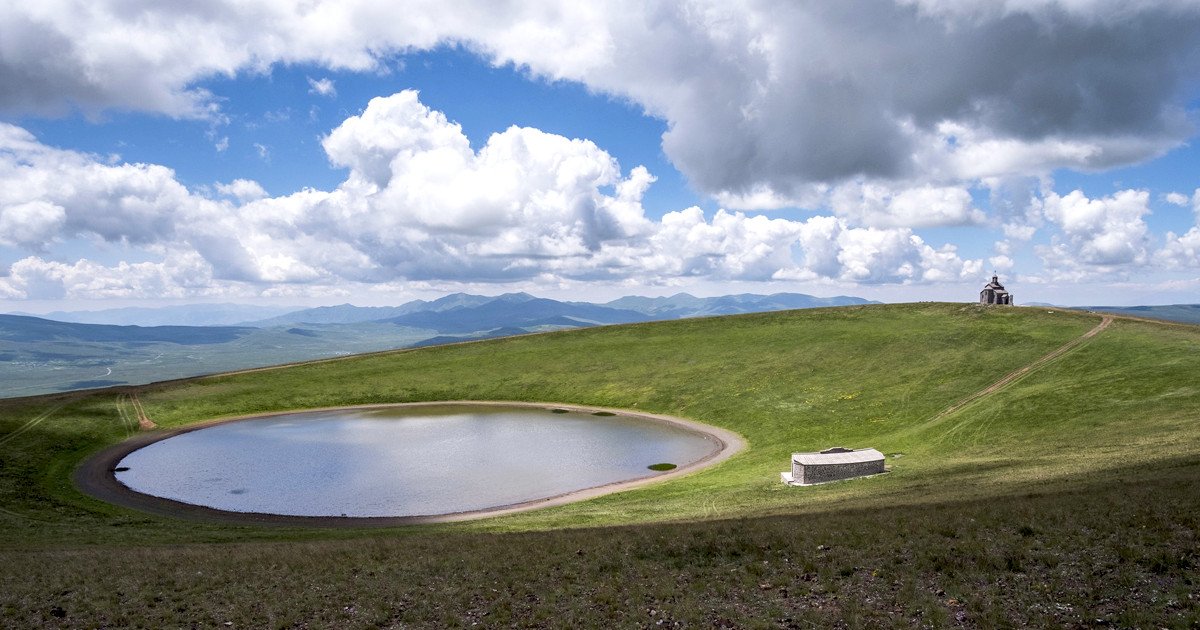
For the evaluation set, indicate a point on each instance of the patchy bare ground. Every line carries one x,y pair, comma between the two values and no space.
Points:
1121,553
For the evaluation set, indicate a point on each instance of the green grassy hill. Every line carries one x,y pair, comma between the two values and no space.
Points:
1066,497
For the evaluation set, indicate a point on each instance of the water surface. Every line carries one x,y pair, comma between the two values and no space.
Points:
410,461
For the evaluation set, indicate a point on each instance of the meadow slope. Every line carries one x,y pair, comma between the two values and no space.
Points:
1066,497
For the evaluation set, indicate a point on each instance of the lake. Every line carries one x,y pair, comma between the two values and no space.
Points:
406,461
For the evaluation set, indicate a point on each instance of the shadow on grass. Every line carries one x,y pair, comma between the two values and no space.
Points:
1116,550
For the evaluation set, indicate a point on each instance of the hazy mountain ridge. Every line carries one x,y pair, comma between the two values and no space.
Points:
1184,313
684,305
15,328
39,355
516,310
675,306
463,312
351,314
181,315
340,314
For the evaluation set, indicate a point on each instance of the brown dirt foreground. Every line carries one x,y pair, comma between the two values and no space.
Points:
1119,552
95,475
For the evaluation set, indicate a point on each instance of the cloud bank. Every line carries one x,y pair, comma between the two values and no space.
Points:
765,101
418,204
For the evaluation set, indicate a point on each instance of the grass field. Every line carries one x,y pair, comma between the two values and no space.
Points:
1069,497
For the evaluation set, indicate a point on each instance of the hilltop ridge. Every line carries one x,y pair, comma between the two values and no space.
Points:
33,360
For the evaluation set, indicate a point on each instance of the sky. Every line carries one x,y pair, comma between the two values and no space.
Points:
373,152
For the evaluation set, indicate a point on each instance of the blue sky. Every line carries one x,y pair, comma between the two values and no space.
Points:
281,112
588,153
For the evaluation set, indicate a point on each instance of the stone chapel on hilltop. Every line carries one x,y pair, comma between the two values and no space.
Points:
994,293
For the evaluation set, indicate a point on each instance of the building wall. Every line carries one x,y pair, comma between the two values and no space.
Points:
820,473
988,296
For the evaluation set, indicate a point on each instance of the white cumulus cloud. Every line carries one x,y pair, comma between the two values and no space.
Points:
763,99
1176,199
322,87
1180,251
876,205
178,276
32,224
418,205
242,190
1099,236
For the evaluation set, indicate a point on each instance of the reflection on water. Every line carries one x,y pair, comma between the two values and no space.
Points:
403,462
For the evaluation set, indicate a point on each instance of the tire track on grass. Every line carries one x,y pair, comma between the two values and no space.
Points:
144,421
1011,377
126,419
33,422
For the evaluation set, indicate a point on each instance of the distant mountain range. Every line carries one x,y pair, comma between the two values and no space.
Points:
41,355
350,314
518,310
70,351
494,311
682,305
183,315
19,328
1186,313
462,313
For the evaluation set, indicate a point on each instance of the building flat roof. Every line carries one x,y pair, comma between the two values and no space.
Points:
852,457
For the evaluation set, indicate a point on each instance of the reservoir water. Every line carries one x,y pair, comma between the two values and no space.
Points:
405,461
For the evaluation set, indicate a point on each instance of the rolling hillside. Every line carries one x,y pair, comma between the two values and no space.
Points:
1064,496
39,355
15,328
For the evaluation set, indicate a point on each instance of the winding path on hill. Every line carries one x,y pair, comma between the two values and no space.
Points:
1007,379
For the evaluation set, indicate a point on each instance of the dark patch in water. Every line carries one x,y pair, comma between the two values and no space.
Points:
238,491
603,413
120,469
559,411
662,466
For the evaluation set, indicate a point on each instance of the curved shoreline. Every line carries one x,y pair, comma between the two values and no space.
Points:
94,476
